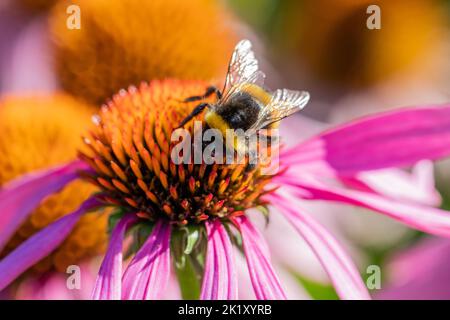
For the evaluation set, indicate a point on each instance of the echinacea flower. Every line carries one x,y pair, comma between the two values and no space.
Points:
125,42
38,131
197,212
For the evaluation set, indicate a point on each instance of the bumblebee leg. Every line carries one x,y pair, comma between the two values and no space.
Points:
197,110
209,91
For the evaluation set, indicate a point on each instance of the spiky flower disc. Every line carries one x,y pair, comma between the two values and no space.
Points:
37,132
130,152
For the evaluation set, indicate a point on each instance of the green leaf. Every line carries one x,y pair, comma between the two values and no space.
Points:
191,240
177,248
188,279
318,291
140,234
185,240
188,251
114,218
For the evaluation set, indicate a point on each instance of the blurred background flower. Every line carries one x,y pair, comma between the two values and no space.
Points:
37,131
420,272
326,47
332,39
40,121
125,42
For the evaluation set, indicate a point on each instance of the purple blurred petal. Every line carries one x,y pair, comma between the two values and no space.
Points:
40,245
53,285
147,276
340,268
391,139
264,280
290,133
19,197
27,71
12,22
220,277
420,272
108,285
173,291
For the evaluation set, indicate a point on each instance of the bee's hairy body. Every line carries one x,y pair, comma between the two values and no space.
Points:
240,111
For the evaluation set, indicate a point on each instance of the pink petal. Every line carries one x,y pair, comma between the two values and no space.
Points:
40,245
398,184
423,173
147,276
289,250
173,291
425,257
220,277
339,266
108,285
19,197
391,139
264,280
292,136
420,272
28,72
423,218
53,286
291,286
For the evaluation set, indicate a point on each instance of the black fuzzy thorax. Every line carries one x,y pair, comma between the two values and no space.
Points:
241,111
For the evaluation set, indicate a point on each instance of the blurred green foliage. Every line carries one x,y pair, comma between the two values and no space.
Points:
258,14
318,291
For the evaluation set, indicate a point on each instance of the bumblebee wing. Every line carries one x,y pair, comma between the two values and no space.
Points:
284,102
243,68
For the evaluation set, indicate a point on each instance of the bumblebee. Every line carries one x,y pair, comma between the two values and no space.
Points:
244,103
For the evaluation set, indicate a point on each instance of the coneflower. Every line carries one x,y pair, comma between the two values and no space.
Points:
38,131
128,158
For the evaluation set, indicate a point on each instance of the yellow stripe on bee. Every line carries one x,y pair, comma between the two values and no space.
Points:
257,92
261,95
215,121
